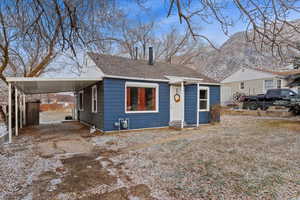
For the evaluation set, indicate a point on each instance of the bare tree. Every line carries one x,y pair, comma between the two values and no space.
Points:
177,47
34,32
172,44
268,25
135,34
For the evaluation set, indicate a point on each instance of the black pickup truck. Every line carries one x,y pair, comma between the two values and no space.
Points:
274,97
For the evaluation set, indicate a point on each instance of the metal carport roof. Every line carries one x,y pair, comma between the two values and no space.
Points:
39,85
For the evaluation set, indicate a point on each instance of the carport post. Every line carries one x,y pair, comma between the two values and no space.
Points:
24,109
21,110
76,106
16,112
9,113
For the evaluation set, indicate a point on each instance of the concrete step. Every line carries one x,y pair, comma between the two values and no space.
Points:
176,124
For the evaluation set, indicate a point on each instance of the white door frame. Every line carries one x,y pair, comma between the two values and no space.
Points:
181,109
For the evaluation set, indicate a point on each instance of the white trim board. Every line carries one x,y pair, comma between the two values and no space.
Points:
135,78
94,96
208,99
41,79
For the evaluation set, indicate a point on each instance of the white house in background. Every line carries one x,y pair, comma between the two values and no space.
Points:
252,81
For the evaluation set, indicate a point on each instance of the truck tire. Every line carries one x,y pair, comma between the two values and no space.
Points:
295,110
265,108
253,106
245,105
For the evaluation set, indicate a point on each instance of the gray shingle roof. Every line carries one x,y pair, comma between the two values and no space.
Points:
120,66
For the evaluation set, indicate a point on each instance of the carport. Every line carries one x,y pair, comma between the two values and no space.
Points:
31,85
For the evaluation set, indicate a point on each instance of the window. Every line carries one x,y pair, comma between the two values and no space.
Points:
287,93
242,85
94,98
278,83
268,85
141,97
203,98
80,100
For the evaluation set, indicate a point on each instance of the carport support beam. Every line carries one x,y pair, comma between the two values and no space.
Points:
9,114
16,112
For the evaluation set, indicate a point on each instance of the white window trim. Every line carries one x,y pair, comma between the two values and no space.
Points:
208,98
143,85
241,85
82,100
96,98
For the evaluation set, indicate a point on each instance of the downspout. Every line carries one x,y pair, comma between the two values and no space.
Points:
197,105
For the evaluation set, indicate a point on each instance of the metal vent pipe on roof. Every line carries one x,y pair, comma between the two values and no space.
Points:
151,62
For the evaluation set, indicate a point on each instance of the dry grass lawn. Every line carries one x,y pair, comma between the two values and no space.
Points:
241,158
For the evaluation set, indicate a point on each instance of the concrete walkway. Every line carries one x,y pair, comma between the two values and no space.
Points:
60,138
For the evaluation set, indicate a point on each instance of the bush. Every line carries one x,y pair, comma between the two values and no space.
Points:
215,113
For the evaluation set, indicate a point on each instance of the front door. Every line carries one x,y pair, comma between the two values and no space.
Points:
176,103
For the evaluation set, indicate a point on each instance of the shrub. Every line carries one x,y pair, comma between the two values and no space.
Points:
215,113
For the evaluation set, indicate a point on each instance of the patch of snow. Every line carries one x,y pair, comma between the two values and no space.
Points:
28,196
104,164
55,181
3,130
99,158
63,196
40,166
120,183
133,198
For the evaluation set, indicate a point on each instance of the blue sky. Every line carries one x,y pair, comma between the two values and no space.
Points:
156,10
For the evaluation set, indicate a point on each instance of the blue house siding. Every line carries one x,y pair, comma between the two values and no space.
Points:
86,115
114,106
190,104
214,99
190,107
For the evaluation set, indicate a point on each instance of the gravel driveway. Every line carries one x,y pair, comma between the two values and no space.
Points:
240,158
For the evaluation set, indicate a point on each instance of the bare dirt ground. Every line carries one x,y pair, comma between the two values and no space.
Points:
243,157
